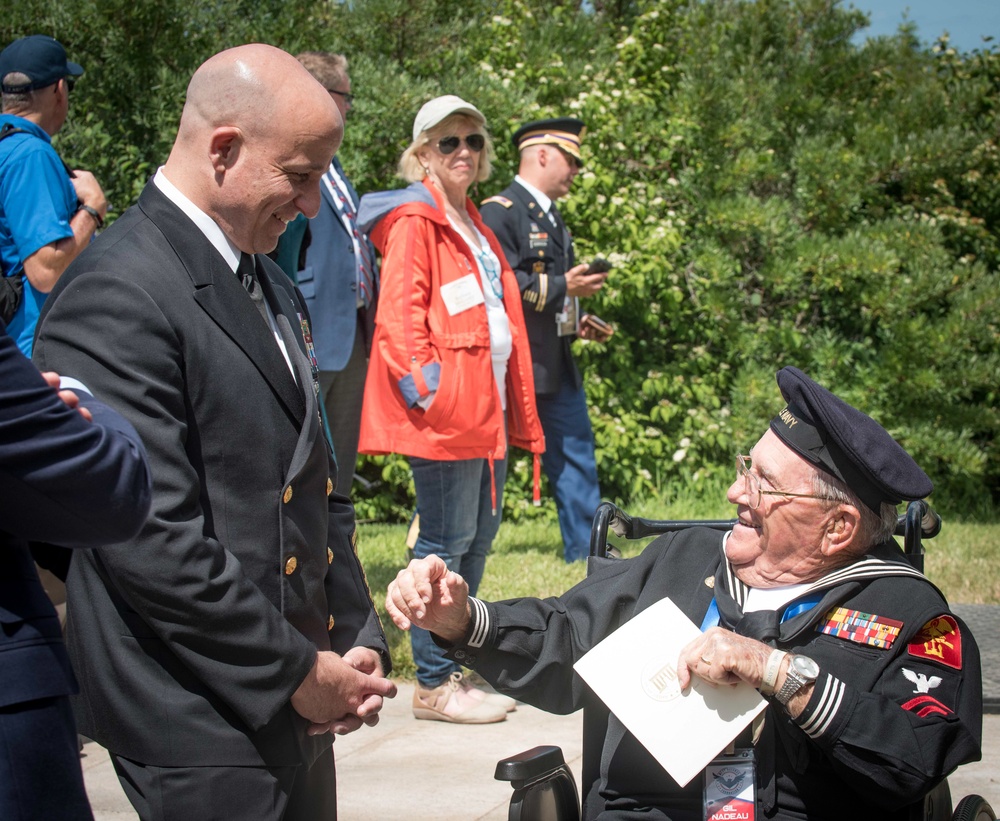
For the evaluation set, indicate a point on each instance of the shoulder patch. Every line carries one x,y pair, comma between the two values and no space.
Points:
506,203
939,640
863,628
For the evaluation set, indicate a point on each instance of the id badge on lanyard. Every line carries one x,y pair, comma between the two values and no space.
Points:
730,790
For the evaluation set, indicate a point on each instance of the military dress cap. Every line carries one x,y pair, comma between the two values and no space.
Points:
842,440
565,132
40,58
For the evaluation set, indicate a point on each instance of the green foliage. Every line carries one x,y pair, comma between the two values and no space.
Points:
769,192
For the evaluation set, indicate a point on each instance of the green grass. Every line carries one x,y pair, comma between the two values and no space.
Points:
963,560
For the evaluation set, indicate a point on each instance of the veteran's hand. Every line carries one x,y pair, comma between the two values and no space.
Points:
721,657
427,594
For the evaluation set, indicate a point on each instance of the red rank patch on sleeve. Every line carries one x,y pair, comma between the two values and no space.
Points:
925,706
940,641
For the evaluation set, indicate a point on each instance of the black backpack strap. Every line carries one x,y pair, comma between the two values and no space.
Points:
7,130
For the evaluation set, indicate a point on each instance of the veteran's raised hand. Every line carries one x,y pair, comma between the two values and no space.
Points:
427,594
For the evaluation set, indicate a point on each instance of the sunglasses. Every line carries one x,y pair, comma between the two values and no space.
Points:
448,145
70,82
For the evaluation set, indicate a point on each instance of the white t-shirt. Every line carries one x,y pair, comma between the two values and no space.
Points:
501,341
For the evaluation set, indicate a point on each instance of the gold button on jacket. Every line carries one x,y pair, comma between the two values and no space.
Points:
329,556
290,565
288,495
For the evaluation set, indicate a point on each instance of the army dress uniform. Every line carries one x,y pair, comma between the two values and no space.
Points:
539,248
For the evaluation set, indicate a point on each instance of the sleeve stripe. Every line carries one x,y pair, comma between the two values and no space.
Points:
543,291
829,703
480,623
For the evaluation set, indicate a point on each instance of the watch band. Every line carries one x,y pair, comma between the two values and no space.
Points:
796,679
94,213
771,668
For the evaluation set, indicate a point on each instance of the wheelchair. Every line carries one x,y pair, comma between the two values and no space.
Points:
544,788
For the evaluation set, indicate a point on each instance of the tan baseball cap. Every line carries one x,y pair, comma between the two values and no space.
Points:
434,111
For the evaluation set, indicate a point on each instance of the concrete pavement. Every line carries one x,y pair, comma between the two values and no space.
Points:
432,771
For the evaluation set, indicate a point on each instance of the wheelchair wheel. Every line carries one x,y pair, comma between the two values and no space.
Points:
973,808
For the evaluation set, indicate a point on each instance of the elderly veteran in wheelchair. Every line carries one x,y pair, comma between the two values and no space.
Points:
874,685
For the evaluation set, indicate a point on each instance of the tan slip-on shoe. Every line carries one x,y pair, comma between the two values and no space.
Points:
477,687
451,702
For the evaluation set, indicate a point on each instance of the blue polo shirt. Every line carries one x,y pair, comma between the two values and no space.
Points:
37,201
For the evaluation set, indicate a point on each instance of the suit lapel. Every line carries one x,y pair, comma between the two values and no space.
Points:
560,234
556,232
221,295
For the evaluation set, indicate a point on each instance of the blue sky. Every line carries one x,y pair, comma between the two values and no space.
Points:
966,21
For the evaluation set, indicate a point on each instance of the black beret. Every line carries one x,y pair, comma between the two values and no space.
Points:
565,132
842,440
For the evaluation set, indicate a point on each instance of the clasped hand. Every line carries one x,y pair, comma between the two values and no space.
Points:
341,693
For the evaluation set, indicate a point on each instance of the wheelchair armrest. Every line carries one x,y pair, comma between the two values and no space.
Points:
530,765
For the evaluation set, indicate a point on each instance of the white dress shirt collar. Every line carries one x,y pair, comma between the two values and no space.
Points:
545,203
208,226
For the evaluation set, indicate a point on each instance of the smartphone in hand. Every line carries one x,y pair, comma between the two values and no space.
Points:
599,266
595,328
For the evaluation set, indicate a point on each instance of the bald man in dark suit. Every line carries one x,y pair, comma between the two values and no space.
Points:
218,649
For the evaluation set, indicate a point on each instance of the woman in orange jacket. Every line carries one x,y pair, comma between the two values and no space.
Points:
450,380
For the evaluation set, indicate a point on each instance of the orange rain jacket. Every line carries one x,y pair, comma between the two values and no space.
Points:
419,348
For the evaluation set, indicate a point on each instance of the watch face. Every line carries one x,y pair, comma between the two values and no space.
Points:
805,667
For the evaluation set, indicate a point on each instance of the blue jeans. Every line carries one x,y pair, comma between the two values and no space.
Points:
457,524
569,463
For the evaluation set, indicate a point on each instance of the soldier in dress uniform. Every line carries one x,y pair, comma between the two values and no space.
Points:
539,248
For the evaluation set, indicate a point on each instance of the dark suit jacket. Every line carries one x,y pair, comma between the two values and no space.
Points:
540,254
190,639
328,282
62,479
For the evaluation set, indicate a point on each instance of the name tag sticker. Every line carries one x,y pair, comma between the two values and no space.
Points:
730,788
461,294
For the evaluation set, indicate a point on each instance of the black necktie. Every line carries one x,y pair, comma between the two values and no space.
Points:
248,276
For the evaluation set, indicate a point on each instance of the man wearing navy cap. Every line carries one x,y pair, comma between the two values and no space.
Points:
539,248
48,213
874,685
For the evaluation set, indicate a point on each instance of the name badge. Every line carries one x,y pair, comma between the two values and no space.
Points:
462,294
730,791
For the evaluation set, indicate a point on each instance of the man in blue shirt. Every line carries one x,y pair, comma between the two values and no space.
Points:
48,213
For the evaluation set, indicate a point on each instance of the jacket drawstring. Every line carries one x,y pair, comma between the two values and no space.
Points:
536,491
493,483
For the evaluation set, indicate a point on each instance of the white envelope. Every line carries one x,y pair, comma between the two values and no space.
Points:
634,671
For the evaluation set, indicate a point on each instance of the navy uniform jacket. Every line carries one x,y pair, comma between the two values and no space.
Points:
76,483
190,639
63,480
869,738
540,254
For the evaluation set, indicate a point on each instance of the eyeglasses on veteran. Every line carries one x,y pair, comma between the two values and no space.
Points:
448,145
754,492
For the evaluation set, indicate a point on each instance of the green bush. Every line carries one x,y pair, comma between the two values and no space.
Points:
769,192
